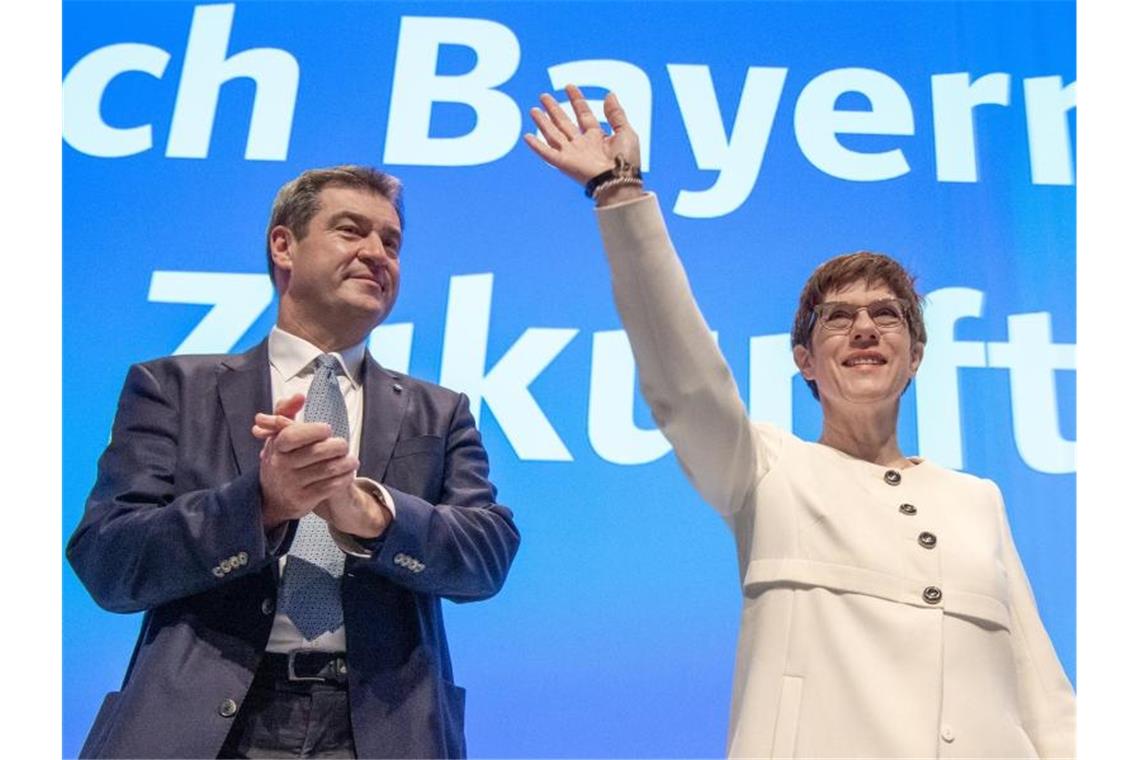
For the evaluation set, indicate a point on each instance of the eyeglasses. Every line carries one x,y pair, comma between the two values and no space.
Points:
837,316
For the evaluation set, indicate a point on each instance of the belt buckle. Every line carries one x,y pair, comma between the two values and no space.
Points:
291,667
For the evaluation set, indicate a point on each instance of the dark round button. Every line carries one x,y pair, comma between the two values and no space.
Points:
908,509
932,595
892,477
267,606
928,540
228,708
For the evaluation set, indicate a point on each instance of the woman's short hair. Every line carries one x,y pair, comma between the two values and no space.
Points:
841,271
298,200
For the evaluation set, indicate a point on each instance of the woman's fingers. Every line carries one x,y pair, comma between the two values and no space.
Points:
559,117
586,118
553,135
544,151
615,114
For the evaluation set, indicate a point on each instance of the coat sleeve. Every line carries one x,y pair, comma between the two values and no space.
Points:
141,543
684,377
1048,706
462,547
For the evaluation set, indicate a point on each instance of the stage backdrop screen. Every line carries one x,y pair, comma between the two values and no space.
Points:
775,135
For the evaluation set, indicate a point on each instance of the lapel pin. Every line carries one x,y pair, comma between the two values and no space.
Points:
397,387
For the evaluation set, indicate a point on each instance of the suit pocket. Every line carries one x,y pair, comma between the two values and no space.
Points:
97,736
416,467
417,445
788,717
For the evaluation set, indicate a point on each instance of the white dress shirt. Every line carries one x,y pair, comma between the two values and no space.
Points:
291,371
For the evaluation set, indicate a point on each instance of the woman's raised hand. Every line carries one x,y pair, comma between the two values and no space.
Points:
582,151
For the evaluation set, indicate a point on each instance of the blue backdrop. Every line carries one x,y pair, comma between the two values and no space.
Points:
776,135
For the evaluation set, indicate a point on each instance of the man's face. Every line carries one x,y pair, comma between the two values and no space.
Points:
865,363
347,266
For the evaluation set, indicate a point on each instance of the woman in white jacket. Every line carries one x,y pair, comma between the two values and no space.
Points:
886,612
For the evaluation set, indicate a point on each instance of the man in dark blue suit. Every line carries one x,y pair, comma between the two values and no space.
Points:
291,564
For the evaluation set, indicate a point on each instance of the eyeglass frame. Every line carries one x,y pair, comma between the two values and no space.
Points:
900,305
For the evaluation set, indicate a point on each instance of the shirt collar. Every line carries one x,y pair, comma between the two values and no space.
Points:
292,356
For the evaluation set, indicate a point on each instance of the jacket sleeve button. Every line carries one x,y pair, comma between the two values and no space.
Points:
228,708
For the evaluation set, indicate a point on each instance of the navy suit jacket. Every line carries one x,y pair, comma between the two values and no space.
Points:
173,527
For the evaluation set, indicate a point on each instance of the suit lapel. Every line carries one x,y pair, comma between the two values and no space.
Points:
244,390
385,401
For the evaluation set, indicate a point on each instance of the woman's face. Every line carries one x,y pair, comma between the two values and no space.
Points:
866,363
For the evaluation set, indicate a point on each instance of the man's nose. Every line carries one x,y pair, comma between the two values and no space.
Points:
372,248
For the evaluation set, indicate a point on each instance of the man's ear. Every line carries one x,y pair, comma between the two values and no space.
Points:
281,242
917,351
805,361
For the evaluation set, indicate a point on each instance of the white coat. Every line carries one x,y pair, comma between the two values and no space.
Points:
885,613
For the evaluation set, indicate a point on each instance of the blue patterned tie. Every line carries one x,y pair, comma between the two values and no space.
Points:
310,593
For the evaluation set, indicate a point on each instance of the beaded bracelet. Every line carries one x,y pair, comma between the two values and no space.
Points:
623,170
616,182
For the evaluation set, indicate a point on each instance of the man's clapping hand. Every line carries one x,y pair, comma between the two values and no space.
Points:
305,469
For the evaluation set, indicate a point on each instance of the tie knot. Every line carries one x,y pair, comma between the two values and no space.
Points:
327,361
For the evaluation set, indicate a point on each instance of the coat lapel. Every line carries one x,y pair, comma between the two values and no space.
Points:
385,401
244,390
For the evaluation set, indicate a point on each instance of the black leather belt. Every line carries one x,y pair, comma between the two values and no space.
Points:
299,665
